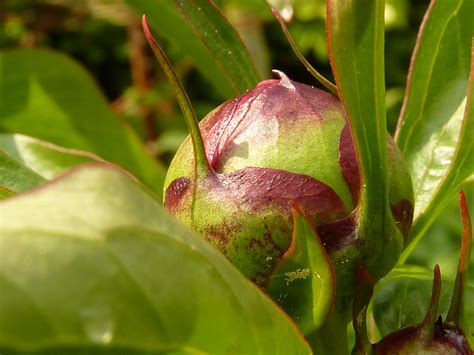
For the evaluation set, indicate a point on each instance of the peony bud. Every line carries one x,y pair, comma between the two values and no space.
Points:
281,143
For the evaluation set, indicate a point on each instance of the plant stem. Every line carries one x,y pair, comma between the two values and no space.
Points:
318,76
202,166
331,338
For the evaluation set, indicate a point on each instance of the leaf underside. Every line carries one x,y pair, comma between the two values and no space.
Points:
92,261
436,126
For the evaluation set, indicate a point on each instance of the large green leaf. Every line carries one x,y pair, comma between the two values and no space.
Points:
435,99
355,30
15,177
448,171
46,159
46,95
165,19
92,261
402,298
215,32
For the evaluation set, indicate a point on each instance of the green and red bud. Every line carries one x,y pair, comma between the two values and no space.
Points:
281,143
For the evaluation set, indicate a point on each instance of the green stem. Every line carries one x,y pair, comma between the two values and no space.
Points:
319,77
428,324
331,338
202,166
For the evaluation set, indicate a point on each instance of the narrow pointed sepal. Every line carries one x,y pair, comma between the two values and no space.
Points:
457,301
428,324
363,294
303,282
201,162
317,75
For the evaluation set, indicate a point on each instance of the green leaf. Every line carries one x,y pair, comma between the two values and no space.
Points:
46,159
45,95
201,165
6,192
222,40
431,117
94,262
15,177
303,282
165,19
355,30
356,44
403,296
444,173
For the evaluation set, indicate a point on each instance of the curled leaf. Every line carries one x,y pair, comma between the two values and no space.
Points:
303,282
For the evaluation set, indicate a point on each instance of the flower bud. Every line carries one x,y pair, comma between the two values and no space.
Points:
445,339
432,336
281,143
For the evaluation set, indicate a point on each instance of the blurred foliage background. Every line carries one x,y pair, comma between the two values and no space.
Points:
105,37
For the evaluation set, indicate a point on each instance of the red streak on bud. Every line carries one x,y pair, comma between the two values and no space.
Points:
402,212
348,163
176,192
263,187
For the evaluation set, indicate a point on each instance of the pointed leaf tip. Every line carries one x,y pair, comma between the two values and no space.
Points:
303,282
317,75
432,312
202,166
457,301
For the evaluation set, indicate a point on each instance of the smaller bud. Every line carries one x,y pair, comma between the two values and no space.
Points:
433,335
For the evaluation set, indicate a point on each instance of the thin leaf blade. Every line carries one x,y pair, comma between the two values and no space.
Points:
165,19
222,40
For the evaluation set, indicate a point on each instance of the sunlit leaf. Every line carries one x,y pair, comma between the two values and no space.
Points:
15,177
45,95
94,263
434,105
448,171
46,159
